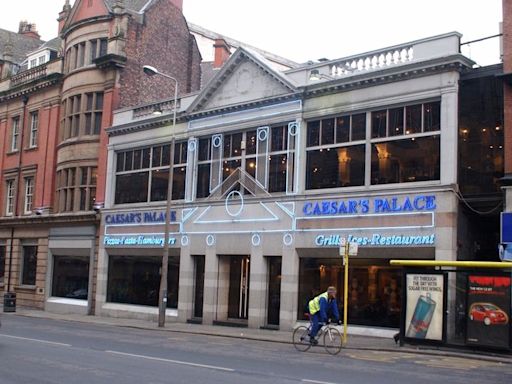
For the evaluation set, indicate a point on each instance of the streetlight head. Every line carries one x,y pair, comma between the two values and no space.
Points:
149,70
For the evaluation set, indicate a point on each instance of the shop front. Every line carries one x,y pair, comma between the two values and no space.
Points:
256,262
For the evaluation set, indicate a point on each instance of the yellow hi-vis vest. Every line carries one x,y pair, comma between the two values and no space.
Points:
314,304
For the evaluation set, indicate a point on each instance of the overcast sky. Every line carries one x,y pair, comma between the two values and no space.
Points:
303,30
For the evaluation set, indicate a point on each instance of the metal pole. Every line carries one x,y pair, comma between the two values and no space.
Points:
345,295
162,299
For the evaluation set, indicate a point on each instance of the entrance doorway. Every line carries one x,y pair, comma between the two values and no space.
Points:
198,286
274,290
238,296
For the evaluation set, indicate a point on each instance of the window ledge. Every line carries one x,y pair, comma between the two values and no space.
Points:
28,149
68,301
25,287
10,153
171,312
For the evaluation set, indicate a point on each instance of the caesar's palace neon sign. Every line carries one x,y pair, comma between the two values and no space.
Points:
420,203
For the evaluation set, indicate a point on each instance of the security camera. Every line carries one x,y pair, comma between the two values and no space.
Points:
38,211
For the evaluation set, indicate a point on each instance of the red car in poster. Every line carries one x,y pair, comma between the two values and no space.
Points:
488,313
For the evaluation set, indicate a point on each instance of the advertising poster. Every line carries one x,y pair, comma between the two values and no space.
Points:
424,308
488,307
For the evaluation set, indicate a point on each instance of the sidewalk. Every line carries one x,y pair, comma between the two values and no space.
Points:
354,342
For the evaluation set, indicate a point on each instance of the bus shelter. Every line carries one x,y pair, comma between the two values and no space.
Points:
456,303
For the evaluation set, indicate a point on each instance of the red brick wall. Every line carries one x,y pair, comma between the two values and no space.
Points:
507,89
164,42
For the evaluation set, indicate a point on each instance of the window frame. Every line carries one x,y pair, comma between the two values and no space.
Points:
23,264
15,133
10,196
34,129
28,199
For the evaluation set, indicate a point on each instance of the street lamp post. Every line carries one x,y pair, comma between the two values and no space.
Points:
162,297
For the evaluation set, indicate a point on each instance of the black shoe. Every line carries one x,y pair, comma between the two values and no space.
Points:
313,341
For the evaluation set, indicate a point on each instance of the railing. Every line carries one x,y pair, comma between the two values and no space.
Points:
36,73
372,61
439,46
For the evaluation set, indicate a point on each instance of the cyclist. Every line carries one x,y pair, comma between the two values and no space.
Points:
319,307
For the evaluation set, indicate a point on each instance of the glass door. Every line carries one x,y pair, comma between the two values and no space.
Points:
238,301
274,290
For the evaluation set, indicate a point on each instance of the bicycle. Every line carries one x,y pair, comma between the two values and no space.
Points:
332,339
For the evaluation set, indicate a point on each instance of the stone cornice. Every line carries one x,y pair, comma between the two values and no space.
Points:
52,219
31,87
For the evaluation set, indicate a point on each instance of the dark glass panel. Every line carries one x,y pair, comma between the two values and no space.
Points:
132,188
343,129
413,119
327,131
408,160
313,133
379,121
359,126
70,277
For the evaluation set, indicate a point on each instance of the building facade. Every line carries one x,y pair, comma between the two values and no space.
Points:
56,99
270,169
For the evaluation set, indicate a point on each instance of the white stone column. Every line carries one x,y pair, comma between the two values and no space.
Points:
257,288
186,285
449,133
289,288
211,279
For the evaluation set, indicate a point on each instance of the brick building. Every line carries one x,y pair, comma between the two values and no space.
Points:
56,99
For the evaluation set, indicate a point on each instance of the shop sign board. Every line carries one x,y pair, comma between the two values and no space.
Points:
149,240
392,204
377,240
488,311
424,307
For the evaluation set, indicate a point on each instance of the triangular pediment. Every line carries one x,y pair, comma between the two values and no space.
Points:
86,9
244,78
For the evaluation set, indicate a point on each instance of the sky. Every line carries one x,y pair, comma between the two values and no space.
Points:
303,30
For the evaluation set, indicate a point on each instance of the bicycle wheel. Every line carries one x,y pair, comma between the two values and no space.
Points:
301,339
332,341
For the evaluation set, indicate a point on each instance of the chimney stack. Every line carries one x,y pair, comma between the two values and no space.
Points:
29,30
222,53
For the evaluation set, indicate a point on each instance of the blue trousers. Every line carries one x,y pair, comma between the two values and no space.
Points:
316,324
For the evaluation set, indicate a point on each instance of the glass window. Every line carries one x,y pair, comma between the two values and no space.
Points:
396,121
277,173
327,131
432,117
15,133
203,180
70,277
136,280
359,126
343,129
29,265
408,160
34,126
278,138
313,133
10,192
374,290
335,167
413,119
76,182
29,194
132,188
2,263
379,124
250,143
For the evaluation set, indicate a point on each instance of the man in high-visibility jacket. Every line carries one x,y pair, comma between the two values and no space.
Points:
319,308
